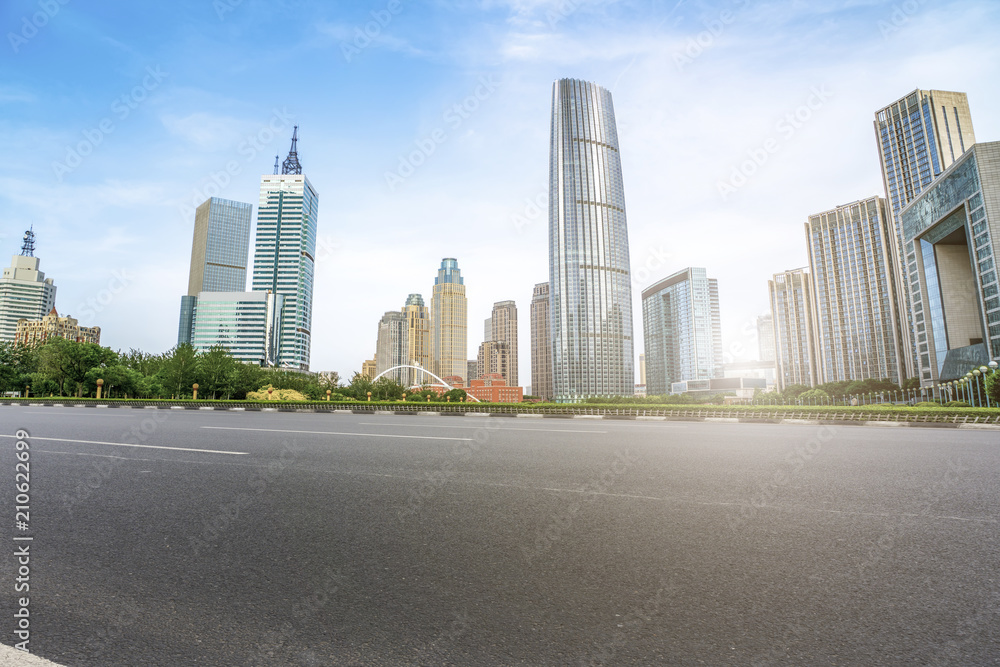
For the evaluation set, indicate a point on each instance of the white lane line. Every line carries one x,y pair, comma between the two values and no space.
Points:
499,428
363,435
126,444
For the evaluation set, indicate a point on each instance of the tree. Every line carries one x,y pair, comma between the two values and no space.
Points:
17,364
180,370
454,395
68,362
387,389
217,370
814,397
993,387
247,378
359,387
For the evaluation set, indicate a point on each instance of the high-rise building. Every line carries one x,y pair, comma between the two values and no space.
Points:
954,228
541,343
53,326
473,365
503,324
494,358
25,292
248,324
589,269
642,369
488,329
418,339
682,329
391,348
919,136
765,337
285,251
449,324
853,288
219,254
795,341
368,369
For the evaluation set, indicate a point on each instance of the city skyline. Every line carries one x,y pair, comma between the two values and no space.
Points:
193,122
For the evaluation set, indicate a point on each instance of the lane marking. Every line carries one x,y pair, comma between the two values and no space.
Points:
364,435
126,444
498,428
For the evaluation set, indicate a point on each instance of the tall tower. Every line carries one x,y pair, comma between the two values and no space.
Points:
503,328
391,347
794,333
919,136
449,324
284,258
856,323
220,251
418,338
541,343
589,271
25,292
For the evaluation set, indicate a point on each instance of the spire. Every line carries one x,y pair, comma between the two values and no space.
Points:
276,163
291,164
28,247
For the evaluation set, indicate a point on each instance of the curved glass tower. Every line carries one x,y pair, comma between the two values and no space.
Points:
590,295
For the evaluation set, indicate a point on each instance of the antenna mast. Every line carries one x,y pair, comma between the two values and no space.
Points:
28,247
291,164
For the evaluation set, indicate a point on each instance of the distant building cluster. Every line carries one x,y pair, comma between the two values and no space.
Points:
53,326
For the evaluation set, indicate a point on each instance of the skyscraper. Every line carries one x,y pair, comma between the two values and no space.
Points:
589,270
853,287
25,292
248,324
418,338
503,324
919,136
682,330
285,251
765,337
219,254
494,357
794,334
391,348
541,343
449,324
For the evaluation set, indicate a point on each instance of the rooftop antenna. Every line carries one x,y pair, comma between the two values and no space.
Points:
28,247
275,164
291,164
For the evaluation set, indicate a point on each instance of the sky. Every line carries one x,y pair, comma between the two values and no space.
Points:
424,128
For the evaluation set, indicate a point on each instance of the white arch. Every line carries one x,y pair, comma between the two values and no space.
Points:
441,382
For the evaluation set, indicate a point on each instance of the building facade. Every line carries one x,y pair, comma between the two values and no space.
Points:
493,388
285,252
473,372
589,267
25,292
53,326
857,327
682,329
418,338
503,325
953,227
765,338
449,322
541,343
368,369
790,295
494,358
392,346
248,324
919,136
220,250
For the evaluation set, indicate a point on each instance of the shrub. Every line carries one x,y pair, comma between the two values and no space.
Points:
927,404
277,395
957,404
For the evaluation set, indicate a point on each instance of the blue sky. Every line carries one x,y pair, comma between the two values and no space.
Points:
117,119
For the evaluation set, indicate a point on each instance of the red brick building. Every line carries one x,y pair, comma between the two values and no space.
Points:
493,388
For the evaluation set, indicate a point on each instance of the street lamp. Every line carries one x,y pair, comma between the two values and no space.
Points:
979,397
968,388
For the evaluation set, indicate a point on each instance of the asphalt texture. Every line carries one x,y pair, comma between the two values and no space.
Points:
330,539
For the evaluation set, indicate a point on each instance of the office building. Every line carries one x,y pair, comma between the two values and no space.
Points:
25,292
488,329
492,388
449,324
285,251
473,369
503,325
30,332
418,339
858,333
541,343
248,324
765,338
589,268
953,227
220,250
682,329
368,369
790,295
919,136
494,358
392,347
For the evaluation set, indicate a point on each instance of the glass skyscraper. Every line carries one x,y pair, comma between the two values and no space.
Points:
245,323
219,253
284,258
682,330
919,136
589,270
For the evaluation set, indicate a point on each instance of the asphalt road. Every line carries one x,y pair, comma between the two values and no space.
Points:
315,539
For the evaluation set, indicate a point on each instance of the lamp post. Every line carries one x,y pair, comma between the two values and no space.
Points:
968,389
979,397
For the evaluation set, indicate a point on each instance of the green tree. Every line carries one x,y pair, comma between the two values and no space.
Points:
68,362
814,397
180,370
17,364
387,389
217,370
359,387
454,395
247,378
